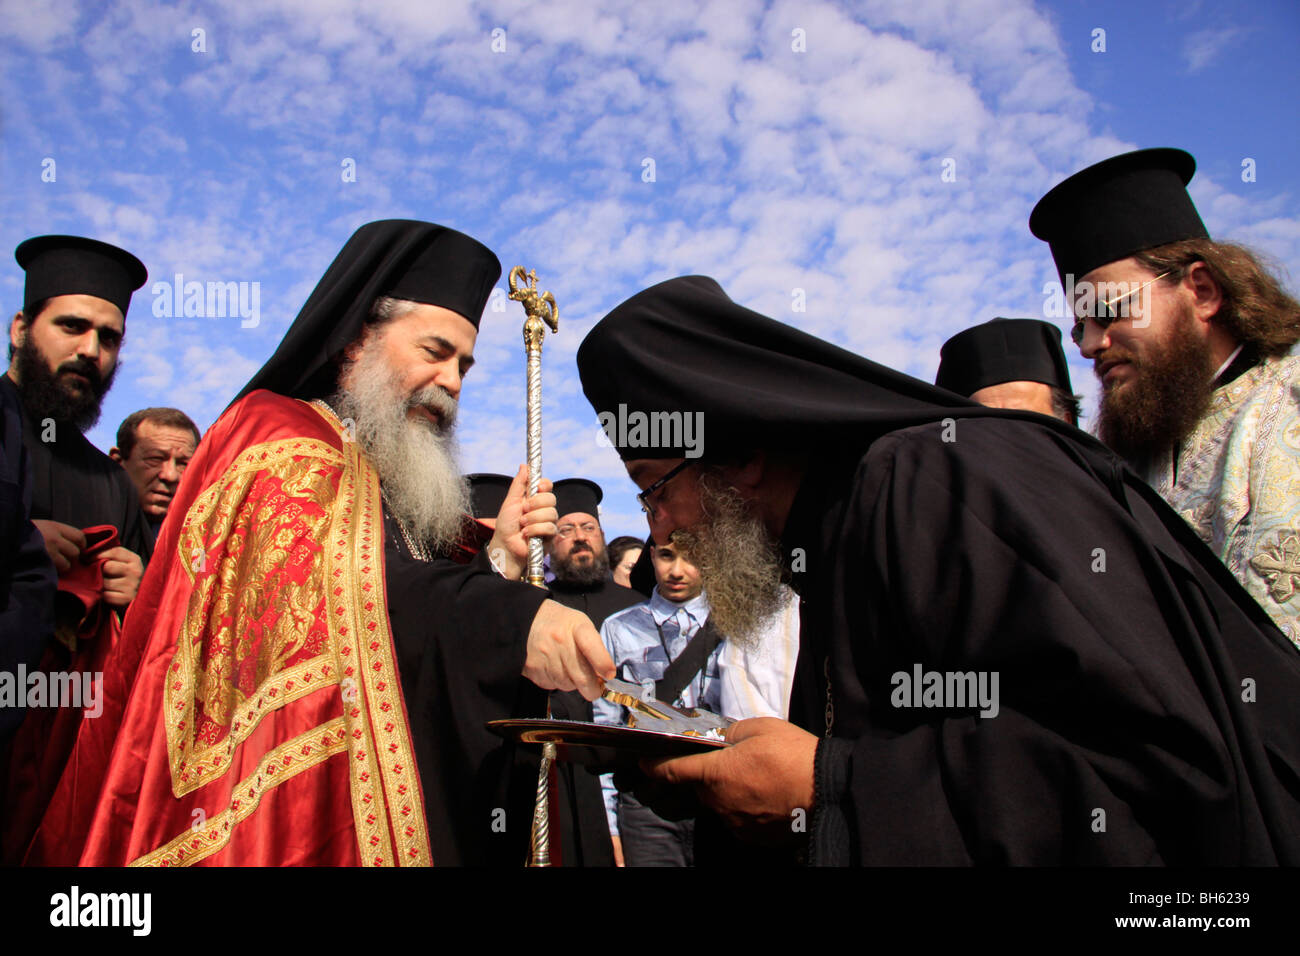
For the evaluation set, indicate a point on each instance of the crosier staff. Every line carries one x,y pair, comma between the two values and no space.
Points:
541,312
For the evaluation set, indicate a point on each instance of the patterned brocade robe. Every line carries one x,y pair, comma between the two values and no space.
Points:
289,688
1236,481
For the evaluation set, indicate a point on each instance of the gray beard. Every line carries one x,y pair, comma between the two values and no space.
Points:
577,576
739,564
416,460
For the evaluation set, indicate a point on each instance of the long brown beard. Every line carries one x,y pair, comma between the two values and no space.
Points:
1164,401
739,563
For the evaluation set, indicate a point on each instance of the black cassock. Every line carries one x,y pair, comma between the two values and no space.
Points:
27,579
1149,711
582,809
461,633
77,484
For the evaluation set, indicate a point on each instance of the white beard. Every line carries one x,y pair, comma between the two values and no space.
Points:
417,460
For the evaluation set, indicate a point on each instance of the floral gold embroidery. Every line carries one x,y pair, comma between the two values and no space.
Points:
254,624
284,556
1279,564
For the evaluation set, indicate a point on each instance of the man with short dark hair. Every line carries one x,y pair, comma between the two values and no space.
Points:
1012,651
304,615
1193,341
154,445
1010,363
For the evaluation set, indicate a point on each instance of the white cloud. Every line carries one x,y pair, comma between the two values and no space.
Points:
1201,48
775,169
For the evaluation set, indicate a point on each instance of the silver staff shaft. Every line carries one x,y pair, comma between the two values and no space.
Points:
535,576
541,312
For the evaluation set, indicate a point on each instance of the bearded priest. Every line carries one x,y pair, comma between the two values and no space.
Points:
305,676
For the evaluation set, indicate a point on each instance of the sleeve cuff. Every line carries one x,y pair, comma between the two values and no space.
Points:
829,839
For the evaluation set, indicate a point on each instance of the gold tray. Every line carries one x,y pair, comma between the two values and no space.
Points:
602,745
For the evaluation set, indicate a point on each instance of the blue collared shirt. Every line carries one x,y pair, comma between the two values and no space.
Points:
643,640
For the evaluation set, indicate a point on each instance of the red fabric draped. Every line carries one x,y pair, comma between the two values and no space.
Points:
252,707
44,743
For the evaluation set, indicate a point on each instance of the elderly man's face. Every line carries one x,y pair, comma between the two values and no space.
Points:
398,390
428,346
718,530
1031,396
674,505
157,460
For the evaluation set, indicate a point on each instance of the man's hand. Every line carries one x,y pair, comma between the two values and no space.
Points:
565,652
522,518
122,571
618,851
63,542
755,785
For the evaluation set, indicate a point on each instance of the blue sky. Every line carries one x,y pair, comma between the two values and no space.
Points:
795,145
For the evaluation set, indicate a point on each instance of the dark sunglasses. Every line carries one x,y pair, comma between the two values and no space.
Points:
1107,312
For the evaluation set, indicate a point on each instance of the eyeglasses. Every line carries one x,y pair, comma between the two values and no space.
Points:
644,497
568,530
1107,312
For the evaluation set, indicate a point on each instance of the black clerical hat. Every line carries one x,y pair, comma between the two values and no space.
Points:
1117,207
73,265
448,269
682,353
487,493
1003,350
574,495
402,258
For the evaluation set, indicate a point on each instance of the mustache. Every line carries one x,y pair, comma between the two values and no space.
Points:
1113,355
437,399
85,368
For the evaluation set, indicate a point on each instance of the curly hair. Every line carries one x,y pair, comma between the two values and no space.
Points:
1256,309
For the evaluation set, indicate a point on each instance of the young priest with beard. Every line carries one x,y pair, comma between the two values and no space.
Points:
578,558
64,346
1193,341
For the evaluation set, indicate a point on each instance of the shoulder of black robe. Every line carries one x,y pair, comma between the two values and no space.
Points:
597,601
460,633
27,578
77,484
586,833
1120,683
901,562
